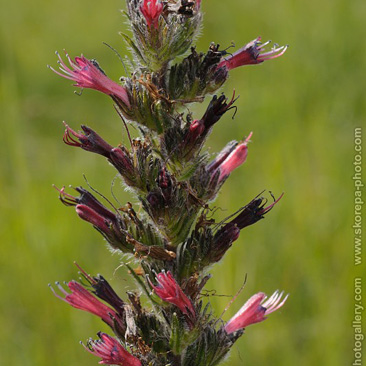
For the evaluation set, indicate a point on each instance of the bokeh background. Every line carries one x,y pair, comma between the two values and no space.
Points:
302,109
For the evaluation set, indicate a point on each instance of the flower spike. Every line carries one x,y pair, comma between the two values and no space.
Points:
170,242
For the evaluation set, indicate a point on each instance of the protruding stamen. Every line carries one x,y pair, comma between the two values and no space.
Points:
264,210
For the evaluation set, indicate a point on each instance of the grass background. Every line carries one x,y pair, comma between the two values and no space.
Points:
302,109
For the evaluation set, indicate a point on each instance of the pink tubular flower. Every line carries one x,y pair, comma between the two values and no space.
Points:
151,10
87,74
81,298
255,311
237,157
111,351
168,290
251,54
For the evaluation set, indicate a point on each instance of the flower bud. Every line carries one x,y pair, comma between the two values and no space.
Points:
195,131
151,10
200,129
162,30
234,160
228,233
156,201
253,212
223,240
225,164
217,107
220,158
97,220
196,76
164,179
121,159
86,198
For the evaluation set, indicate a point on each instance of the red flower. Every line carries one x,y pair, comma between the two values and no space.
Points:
151,10
111,351
81,298
255,311
169,291
251,54
87,74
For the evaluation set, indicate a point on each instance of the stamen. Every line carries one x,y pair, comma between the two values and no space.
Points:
249,137
271,300
68,138
274,308
63,75
66,198
275,304
271,55
61,289
264,210
86,275
263,44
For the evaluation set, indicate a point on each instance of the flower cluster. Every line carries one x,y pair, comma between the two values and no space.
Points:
169,243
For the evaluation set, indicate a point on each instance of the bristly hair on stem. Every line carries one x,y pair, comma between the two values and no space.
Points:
171,240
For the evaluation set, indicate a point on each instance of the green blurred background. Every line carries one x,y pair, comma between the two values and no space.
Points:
302,109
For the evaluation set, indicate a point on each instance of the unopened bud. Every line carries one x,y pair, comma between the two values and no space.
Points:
151,10
223,240
236,157
253,212
121,159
